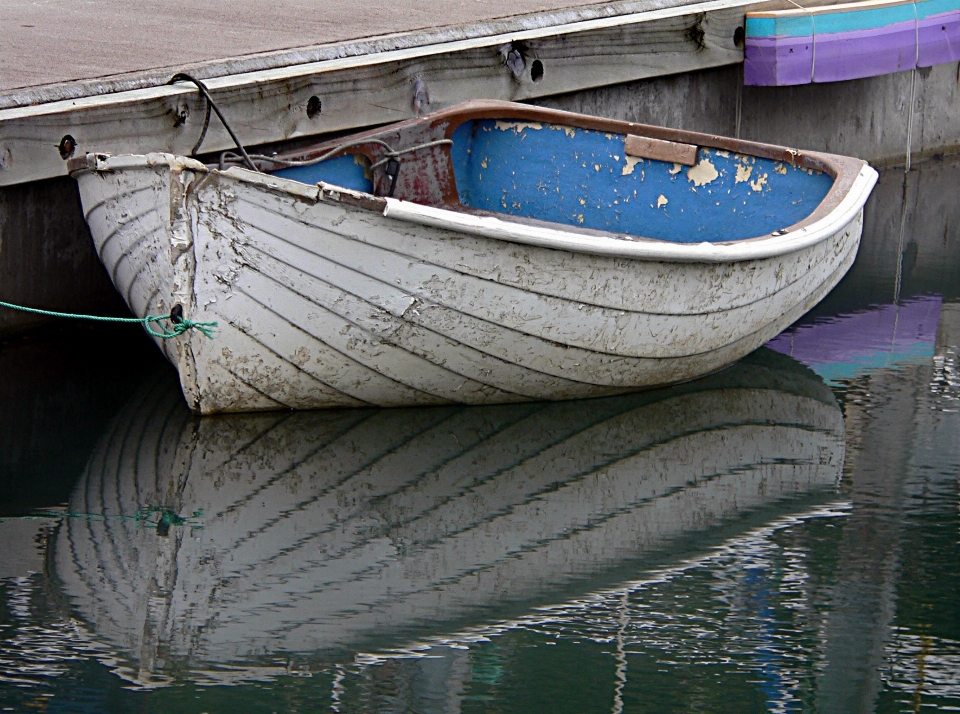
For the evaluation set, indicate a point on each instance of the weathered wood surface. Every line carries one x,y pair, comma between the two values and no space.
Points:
113,44
647,148
139,51
272,105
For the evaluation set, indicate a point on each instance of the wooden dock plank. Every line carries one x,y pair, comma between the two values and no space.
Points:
271,105
114,37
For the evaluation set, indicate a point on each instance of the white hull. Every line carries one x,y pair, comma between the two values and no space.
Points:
321,303
324,531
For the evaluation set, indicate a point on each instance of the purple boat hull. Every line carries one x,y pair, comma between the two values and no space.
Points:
865,53
778,61
939,39
849,42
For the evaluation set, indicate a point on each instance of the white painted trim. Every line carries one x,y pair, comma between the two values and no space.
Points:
643,249
147,161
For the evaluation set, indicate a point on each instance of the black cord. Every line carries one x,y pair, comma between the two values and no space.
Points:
203,131
181,76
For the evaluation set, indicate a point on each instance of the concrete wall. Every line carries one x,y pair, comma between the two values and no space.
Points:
911,242
47,259
59,387
868,118
698,101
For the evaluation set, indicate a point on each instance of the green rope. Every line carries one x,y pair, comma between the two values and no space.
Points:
143,517
178,326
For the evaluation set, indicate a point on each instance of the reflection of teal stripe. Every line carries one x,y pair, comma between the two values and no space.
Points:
849,21
916,353
928,8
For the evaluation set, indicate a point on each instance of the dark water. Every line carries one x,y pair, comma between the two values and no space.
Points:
782,536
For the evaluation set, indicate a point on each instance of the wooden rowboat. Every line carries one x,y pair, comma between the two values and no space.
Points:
488,253
332,532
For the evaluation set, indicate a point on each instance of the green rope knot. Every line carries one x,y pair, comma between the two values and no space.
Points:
180,324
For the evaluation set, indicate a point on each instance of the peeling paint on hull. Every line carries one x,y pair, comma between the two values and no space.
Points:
323,303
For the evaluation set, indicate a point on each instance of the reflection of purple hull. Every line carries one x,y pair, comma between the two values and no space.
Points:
841,347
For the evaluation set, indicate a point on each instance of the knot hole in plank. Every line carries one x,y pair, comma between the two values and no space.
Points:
67,147
517,56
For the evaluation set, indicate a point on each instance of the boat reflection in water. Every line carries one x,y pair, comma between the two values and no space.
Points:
227,544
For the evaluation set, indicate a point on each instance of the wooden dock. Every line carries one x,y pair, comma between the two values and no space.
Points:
300,69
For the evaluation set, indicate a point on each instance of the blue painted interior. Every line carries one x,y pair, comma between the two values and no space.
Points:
579,177
348,171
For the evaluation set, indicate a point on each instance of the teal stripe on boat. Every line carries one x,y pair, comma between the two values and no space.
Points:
929,8
864,19
846,21
790,26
